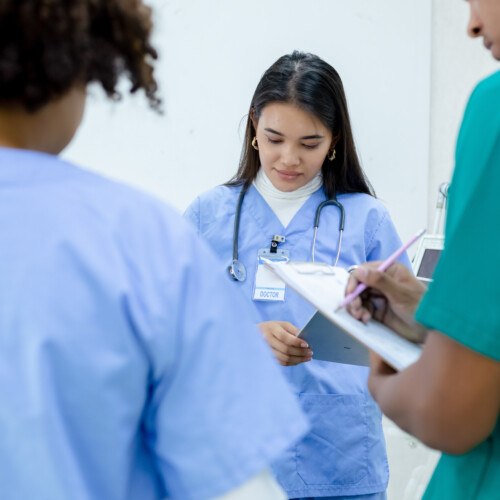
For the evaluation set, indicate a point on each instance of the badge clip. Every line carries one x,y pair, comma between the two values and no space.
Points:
275,241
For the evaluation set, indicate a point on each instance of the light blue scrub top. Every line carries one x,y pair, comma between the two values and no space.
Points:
345,452
129,367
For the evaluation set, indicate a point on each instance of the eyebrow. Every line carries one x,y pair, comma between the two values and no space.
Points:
302,138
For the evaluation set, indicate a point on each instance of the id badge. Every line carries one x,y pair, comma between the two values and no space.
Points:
267,285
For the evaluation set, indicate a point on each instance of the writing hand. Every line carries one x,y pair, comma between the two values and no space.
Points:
392,297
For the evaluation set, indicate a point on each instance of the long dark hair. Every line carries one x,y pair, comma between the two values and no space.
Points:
313,85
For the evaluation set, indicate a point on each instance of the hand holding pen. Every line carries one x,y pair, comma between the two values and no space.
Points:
381,267
393,296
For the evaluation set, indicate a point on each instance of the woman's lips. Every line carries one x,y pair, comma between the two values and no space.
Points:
288,175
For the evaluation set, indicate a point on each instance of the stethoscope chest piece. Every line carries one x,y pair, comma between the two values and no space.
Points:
237,270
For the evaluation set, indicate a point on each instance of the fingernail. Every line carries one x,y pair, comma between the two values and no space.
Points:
362,272
304,345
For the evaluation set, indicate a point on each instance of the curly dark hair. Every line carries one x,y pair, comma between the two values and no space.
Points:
48,46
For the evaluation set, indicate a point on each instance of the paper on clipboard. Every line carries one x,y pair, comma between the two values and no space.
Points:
323,286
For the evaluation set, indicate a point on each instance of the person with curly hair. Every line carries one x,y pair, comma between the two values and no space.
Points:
118,379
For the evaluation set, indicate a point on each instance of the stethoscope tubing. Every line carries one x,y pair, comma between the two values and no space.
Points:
237,218
237,269
331,201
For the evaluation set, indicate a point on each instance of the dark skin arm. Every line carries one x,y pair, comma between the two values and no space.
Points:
449,398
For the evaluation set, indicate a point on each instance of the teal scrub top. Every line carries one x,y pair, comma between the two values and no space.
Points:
130,369
463,302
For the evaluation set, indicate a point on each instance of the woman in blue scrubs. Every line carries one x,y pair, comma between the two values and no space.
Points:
298,152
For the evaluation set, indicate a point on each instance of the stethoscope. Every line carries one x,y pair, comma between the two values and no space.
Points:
237,269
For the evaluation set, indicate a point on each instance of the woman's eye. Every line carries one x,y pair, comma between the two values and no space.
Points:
310,146
273,141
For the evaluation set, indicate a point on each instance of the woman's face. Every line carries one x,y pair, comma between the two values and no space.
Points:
484,21
292,145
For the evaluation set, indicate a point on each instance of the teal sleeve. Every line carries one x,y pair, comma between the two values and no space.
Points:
463,302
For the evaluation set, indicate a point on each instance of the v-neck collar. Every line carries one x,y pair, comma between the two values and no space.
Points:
266,218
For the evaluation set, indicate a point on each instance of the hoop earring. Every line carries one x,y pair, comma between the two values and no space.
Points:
331,156
255,144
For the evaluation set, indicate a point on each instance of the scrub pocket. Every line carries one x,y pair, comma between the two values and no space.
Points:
335,452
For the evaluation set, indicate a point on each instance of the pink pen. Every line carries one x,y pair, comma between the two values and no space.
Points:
362,287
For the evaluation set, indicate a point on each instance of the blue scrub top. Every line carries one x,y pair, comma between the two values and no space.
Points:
344,454
129,368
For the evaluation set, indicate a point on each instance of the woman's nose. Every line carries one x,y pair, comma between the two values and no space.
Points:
290,157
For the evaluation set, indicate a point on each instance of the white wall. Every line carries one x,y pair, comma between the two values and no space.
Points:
212,56
458,63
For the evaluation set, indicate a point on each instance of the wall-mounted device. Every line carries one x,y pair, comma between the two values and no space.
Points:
431,245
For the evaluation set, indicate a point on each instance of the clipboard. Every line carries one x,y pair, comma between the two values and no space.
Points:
323,286
330,343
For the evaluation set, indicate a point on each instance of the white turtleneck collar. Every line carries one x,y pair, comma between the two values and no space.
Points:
285,204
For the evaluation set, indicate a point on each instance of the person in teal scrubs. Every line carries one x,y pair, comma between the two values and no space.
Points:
129,367
450,398
299,152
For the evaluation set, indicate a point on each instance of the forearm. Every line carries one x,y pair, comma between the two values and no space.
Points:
398,398
449,399
405,400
